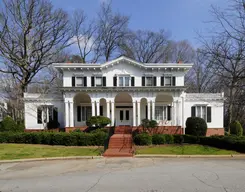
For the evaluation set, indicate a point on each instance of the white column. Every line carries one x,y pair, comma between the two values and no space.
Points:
66,114
153,110
177,113
138,113
71,114
98,108
93,108
173,113
134,113
148,110
108,109
183,115
112,113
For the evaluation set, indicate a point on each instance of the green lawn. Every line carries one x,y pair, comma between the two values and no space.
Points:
183,150
24,151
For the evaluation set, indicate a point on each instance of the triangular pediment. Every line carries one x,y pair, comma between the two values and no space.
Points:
123,59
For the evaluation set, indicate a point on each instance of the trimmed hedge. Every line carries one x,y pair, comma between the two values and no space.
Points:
52,138
223,142
143,139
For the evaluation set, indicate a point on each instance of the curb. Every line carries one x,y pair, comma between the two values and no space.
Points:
51,159
190,156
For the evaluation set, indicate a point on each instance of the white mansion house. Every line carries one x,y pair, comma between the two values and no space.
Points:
126,91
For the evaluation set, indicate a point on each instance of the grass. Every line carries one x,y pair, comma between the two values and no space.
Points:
24,151
183,150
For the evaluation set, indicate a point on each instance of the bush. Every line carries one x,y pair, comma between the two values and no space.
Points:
98,121
8,124
236,128
53,138
158,139
146,124
169,139
196,126
143,139
53,124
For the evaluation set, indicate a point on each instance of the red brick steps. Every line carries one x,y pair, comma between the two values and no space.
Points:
121,143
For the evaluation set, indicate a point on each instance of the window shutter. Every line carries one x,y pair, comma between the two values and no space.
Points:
209,115
193,111
55,114
104,81
155,81
173,81
162,81
115,81
101,110
132,81
39,116
73,80
143,81
169,113
92,81
85,81
79,113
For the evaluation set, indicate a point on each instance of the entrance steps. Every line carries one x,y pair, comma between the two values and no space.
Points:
121,143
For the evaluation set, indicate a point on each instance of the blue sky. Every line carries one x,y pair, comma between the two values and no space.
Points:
181,18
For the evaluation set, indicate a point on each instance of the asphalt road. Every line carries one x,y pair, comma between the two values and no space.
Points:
124,174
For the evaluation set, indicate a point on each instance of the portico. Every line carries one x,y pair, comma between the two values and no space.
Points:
123,108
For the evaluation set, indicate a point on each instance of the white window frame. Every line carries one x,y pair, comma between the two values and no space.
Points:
85,115
146,77
80,85
95,82
164,112
123,77
45,112
201,111
165,77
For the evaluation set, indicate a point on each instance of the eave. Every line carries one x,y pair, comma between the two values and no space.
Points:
122,89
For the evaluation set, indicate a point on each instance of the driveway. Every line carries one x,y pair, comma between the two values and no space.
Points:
124,174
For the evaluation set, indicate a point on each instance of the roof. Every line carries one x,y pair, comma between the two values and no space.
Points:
124,59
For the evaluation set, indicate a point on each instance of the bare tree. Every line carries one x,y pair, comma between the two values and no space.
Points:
145,46
85,36
180,51
112,30
201,78
32,34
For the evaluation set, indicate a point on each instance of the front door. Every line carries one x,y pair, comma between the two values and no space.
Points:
124,116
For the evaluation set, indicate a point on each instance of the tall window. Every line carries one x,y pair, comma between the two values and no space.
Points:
202,111
149,81
161,112
98,81
86,112
45,113
124,81
79,81
167,81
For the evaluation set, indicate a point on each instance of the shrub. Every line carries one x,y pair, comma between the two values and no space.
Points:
53,138
8,124
178,139
98,121
196,126
77,130
53,124
148,124
169,139
143,139
158,139
236,128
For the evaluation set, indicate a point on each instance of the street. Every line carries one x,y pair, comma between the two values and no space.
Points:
124,174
